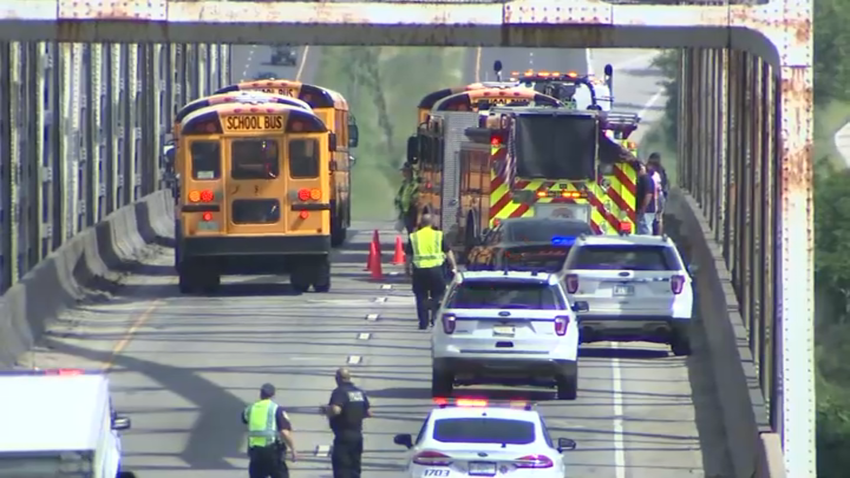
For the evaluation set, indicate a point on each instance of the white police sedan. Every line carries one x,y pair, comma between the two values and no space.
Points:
470,438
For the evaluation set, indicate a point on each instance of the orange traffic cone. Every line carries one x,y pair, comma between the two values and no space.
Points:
375,265
377,241
370,258
398,258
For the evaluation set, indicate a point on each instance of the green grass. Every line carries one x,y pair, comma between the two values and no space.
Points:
405,76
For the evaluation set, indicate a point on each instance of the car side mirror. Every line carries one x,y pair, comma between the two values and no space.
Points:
580,306
353,136
121,423
332,142
352,160
693,269
404,439
169,151
565,444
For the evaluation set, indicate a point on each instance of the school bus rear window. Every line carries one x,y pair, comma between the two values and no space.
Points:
206,160
303,158
254,159
255,211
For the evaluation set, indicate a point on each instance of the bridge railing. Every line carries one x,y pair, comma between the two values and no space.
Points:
81,128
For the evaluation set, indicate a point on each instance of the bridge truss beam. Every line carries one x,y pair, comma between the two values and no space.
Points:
745,129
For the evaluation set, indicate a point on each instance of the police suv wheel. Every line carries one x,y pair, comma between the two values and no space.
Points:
567,386
441,383
681,346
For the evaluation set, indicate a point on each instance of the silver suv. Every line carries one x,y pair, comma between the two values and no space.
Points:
632,288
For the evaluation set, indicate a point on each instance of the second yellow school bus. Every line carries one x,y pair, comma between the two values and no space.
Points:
332,108
254,195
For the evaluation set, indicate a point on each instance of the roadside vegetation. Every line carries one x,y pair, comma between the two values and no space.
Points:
383,86
832,225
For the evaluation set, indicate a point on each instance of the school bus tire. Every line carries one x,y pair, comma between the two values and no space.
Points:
338,231
322,275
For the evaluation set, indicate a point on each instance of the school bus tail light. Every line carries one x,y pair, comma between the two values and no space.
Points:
207,217
315,194
201,196
303,194
304,214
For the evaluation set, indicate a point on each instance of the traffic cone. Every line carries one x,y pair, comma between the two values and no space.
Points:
370,258
398,257
375,265
377,241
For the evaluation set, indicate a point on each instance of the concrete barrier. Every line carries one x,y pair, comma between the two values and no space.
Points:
753,448
88,264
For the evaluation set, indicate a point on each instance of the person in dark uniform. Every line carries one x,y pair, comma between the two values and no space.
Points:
426,254
269,435
347,409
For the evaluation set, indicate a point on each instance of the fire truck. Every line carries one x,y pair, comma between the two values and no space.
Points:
434,150
543,162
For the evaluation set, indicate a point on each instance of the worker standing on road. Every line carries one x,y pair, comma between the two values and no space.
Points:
662,187
425,254
406,199
347,409
644,200
269,434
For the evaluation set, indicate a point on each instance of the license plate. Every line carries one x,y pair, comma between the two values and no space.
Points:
479,468
503,330
208,226
624,290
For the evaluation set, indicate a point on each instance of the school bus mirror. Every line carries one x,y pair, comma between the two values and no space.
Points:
412,150
353,136
168,153
332,142
352,160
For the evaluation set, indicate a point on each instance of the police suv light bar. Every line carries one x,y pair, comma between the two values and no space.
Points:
481,403
65,372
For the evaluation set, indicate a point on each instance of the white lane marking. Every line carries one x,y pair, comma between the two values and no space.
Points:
371,317
588,58
380,299
531,60
304,54
249,62
354,360
386,286
364,336
322,450
617,389
477,64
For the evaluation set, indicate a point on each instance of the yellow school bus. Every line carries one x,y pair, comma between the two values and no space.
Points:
332,108
253,195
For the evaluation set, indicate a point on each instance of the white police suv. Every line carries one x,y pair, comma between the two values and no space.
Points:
469,438
630,288
505,328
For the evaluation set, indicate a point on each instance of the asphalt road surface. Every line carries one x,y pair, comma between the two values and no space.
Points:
183,368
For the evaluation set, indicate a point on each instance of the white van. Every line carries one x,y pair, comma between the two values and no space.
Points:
58,423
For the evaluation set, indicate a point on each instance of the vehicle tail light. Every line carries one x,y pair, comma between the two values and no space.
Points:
64,371
194,196
561,324
303,194
432,458
304,214
449,323
677,283
625,227
533,461
206,217
207,196
572,283
315,194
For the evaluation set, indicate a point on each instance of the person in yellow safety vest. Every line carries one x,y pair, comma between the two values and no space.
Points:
426,255
269,435
407,197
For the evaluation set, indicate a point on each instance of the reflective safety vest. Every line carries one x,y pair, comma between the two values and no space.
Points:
262,426
427,248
